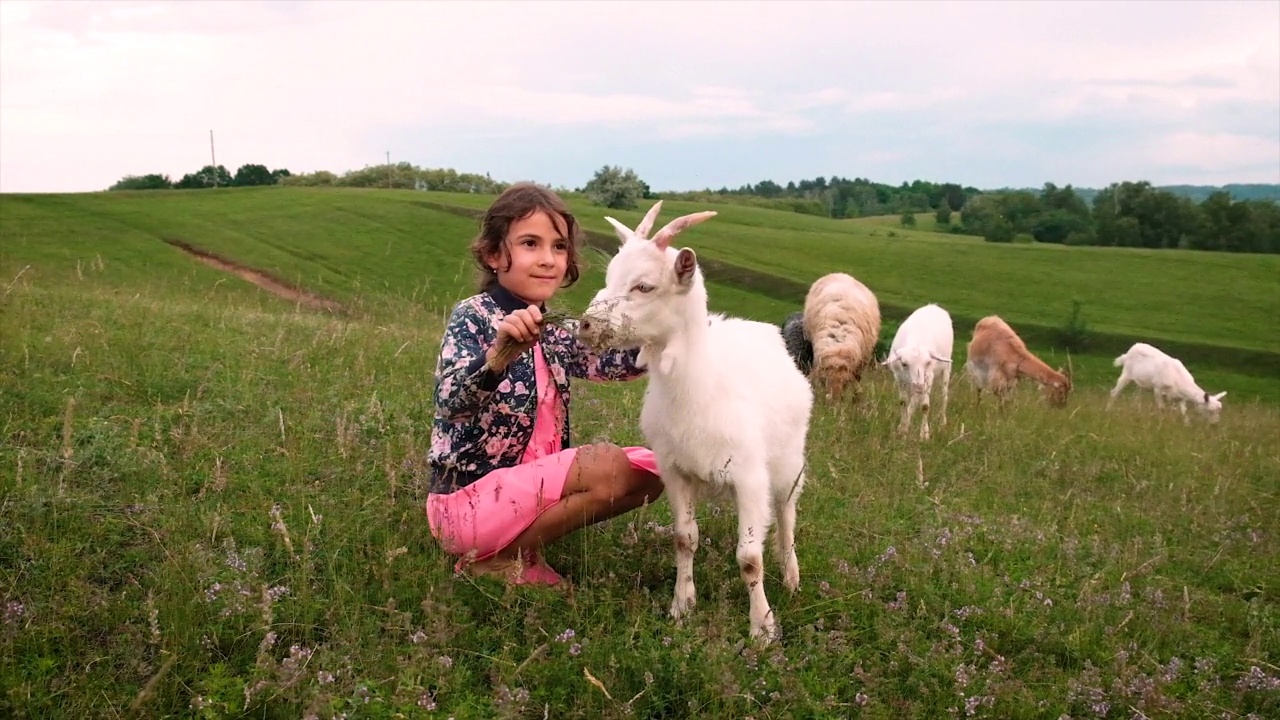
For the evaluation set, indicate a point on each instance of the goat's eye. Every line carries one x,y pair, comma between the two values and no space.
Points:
643,287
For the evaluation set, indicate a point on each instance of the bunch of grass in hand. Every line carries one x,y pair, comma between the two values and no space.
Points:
508,352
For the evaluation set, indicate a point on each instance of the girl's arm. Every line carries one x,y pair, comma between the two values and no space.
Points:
463,382
601,366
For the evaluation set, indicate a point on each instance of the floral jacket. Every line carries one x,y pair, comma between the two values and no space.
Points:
484,421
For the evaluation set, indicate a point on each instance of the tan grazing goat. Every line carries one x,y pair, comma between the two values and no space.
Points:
842,321
998,359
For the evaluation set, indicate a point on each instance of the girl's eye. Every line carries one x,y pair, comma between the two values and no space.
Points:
643,287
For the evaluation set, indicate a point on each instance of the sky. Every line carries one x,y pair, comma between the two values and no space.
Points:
690,95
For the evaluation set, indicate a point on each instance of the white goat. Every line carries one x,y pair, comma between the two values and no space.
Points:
726,411
1149,367
919,356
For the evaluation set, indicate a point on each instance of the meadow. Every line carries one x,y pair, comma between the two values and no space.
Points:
211,498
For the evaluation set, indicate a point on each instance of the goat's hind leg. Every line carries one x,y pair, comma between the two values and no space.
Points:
784,536
1115,391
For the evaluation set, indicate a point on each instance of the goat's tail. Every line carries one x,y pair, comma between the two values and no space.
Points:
1121,360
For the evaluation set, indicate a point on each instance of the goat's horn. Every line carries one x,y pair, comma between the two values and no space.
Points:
675,227
624,232
642,230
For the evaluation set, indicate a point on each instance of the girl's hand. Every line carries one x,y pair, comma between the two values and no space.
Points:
517,332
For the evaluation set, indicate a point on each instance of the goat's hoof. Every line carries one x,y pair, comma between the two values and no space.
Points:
791,579
767,631
682,607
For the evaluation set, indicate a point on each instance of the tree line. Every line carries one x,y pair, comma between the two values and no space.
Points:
1126,214
209,176
403,176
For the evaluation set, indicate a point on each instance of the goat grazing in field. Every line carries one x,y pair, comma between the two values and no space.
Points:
798,345
1149,367
842,321
998,359
726,411
920,356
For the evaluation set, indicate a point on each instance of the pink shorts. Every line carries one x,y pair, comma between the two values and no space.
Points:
490,513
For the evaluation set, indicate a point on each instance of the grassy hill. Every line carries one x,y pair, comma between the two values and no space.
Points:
212,497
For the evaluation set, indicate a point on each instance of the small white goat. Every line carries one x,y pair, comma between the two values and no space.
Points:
1149,367
921,355
725,411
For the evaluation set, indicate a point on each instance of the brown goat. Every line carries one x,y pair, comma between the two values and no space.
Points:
998,359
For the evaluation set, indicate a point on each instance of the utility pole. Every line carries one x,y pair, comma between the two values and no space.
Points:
388,169
213,160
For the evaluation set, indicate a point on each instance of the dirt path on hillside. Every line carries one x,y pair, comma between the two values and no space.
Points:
262,279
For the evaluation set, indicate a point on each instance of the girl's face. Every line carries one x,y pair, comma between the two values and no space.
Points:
539,253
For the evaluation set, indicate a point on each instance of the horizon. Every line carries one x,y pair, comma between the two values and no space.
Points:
989,95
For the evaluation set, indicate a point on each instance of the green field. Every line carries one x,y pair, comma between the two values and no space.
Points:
211,498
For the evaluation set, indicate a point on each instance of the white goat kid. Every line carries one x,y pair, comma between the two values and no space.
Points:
1149,367
920,356
726,411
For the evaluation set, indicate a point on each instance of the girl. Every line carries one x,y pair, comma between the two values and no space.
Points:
504,480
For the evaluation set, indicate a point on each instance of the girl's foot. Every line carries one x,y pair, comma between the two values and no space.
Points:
538,572
506,568
527,568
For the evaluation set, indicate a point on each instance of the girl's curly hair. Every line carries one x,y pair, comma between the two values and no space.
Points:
516,203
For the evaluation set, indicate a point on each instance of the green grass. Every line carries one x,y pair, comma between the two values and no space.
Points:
177,441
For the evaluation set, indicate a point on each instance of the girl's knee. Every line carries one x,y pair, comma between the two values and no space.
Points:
647,483
614,477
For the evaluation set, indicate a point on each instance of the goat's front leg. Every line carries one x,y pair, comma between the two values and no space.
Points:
908,403
685,524
754,519
924,418
946,394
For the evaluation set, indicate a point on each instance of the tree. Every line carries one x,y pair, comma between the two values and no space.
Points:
250,174
908,219
1055,226
152,181
614,187
944,214
207,177
955,196
1000,231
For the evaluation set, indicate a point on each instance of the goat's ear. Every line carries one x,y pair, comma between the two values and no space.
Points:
940,359
624,232
686,263
675,227
642,230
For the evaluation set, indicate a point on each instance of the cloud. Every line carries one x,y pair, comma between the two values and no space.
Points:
987,93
